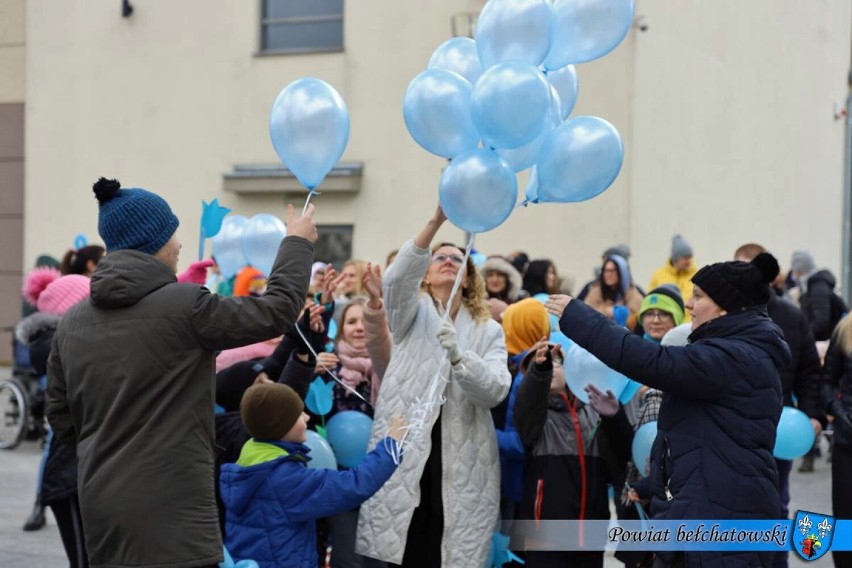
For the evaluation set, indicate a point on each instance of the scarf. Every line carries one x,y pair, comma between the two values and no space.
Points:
357,368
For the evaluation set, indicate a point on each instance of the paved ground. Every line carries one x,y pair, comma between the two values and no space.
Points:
43,549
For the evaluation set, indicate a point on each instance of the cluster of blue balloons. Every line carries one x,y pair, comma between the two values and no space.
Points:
345,444
309,128
498,105
242,241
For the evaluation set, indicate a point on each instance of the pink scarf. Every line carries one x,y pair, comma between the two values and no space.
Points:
356,368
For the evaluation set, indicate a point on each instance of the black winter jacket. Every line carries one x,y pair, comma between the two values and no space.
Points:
820,305
837,392
718,419
802,376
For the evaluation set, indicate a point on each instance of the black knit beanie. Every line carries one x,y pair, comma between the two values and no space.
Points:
737,285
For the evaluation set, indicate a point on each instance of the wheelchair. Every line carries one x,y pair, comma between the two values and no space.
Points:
22,401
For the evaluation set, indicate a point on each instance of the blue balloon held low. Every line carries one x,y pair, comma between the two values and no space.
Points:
436,110
579,160
643,441
795,434
228,245
478,191
261,239
514,30
509,104
309,128
349,434
458,55
587,29
320,396
322,456
582,368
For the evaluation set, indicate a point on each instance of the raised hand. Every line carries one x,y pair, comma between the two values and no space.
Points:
330,284
557,303
604,404
303,225
372,283
197,272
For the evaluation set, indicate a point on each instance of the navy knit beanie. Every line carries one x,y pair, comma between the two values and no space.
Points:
133,218
737,285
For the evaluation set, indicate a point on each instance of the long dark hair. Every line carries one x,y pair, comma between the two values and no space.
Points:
535,278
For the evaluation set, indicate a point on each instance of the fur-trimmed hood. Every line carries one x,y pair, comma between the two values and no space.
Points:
500,264
34,326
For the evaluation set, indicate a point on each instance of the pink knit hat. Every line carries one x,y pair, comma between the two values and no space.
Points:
63,293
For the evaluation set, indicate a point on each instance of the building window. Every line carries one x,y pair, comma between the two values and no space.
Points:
301,26
334,244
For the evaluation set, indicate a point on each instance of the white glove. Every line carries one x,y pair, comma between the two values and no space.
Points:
449,340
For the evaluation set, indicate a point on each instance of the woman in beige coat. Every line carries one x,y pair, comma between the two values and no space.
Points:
440,508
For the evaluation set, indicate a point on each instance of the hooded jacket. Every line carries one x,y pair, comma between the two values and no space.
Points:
821,307
131,379
668,274
712,457
272,500
513,277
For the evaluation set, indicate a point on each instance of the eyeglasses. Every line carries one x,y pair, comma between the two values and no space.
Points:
658,315
442,258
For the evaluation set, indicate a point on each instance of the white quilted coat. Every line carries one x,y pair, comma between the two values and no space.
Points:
471,471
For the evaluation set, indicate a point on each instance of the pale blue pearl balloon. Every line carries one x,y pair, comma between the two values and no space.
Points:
309,128
579,160
510,104
514,30
458,55
478,191
436,110
261,239
228,245
587,29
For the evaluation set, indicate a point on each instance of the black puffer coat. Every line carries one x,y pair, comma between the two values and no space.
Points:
717,424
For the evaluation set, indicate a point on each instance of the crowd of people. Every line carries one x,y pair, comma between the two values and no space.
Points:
190,389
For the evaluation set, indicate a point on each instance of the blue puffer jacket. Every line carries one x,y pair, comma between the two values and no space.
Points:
272,500
716,431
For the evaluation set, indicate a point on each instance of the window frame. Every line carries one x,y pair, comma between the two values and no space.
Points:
264,22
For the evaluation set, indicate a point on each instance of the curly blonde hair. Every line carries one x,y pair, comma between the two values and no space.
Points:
474,297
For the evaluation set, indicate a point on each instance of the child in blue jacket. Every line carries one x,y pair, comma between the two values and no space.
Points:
271,497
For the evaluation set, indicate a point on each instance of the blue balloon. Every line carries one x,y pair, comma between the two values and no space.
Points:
478,258
458,55
629,391
528,154
587,29
582,368
322,456
514,30
643,441
80,241
478,191
309,127
436,110
228,562
567,85
246,564
795,435
261,239
349,434
510,104
320,397
228,245
579,160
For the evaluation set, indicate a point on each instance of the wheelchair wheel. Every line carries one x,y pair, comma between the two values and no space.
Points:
14,412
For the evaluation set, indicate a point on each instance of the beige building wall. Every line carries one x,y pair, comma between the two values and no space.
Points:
725,109
12,80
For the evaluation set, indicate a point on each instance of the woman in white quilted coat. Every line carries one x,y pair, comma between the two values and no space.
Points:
441,506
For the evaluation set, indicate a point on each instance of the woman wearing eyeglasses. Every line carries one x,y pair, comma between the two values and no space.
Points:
452,459
613,294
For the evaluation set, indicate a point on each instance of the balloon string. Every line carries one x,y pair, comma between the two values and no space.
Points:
329,371
311,193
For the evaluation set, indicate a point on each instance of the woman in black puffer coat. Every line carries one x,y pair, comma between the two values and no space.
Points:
712,458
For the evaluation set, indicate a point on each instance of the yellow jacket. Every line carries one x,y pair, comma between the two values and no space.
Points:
668,274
